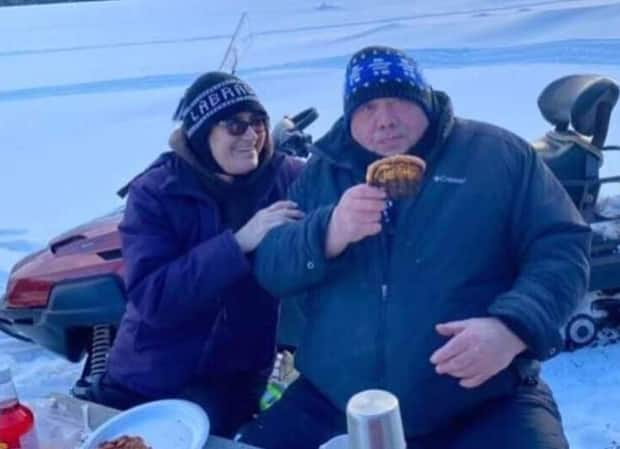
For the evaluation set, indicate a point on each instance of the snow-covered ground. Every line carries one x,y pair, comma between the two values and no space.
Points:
87,91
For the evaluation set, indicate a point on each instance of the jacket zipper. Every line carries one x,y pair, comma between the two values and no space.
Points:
385,292
386,240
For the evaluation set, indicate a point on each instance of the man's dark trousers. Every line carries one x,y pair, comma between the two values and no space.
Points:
304,419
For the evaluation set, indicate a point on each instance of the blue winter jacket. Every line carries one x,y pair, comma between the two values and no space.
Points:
195,309
491,233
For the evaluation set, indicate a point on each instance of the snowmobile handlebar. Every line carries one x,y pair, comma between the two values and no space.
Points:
288,135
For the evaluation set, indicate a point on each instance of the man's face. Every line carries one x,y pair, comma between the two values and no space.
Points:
389,125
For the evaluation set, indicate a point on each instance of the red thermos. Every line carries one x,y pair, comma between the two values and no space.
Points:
17,429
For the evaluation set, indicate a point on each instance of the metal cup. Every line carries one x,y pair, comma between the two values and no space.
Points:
374,422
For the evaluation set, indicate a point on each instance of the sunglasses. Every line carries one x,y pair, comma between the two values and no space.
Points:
237,127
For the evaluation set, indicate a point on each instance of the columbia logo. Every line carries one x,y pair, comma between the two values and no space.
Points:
449,179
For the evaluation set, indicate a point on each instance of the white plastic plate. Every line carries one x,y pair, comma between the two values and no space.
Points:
166,424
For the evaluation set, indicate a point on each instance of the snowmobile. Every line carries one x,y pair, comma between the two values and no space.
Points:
579,107
69,297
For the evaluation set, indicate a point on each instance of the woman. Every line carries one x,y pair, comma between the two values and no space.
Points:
197,325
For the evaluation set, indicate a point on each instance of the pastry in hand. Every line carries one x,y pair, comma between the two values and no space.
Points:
400,175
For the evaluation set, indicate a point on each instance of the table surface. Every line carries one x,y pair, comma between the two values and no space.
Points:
98,414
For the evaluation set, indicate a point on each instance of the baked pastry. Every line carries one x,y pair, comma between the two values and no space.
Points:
124,442
398,175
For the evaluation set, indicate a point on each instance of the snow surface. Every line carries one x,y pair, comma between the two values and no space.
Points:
87,91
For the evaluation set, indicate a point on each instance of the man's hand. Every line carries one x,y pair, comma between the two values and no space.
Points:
478,349
356,216
280,212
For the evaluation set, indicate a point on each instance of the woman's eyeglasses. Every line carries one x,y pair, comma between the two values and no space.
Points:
237,127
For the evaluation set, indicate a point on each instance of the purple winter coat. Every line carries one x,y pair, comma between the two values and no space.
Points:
194,309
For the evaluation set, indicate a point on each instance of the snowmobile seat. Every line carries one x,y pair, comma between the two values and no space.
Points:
575,162
579,107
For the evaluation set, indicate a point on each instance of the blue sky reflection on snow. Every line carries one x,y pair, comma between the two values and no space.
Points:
581,51
22,246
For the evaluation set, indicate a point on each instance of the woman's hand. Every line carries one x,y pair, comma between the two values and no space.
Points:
253,232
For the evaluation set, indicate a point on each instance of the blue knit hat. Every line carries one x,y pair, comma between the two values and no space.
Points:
376,72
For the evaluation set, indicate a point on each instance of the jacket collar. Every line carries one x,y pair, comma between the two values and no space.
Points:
179,177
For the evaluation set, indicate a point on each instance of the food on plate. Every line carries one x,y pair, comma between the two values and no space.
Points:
124,442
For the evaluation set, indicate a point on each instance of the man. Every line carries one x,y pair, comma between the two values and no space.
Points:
447,298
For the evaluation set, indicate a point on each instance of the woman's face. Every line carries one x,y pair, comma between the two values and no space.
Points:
236,142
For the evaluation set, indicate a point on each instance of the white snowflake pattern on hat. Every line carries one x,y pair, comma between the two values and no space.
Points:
410,69
356,75
380,66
